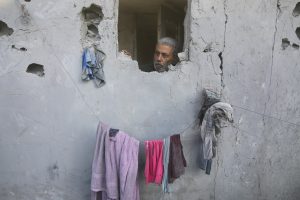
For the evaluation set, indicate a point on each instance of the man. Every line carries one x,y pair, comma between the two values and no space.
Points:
165,54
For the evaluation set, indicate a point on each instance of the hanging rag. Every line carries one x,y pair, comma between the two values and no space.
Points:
166,148
115,166
216,117
92,65
177,162
210,98
154,161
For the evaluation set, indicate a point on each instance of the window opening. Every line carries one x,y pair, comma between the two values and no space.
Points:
142,23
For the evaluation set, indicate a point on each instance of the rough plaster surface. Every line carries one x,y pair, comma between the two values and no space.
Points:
48,123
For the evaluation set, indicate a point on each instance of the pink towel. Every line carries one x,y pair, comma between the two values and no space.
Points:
115,166
154,161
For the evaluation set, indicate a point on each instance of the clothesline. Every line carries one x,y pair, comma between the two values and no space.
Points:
264,115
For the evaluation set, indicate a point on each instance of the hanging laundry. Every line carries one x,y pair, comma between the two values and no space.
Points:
166,148
216,117
92,65
205,164
210,98
115,165
154,161
177,162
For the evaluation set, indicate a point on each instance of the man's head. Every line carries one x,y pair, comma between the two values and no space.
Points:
165,54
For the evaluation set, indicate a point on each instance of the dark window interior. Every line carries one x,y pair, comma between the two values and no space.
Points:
143,22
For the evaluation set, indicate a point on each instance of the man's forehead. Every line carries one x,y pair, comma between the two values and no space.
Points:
164,48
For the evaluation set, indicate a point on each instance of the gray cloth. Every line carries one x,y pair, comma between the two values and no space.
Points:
92,65
164,185
214,119
204,163
211,98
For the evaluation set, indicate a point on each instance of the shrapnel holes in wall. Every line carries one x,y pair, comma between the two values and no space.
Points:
35,68
92,17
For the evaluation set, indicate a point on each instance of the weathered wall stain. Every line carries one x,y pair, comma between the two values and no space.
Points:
53,171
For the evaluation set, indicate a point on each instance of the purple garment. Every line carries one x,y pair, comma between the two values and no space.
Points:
177,162
115,166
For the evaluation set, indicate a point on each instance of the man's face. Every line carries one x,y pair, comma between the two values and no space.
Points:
163,56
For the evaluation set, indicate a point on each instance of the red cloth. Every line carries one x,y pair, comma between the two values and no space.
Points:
154,161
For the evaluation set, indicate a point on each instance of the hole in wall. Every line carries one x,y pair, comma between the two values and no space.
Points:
295,46
298,32
20,49
285,43
92,17
27,0
5,30
92,31
221,59
296,11
208,48
141,23
36,69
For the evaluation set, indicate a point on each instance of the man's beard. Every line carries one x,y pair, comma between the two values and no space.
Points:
160,68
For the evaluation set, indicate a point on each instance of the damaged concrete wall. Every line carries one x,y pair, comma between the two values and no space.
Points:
49,116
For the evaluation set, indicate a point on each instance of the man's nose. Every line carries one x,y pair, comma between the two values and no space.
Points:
159,57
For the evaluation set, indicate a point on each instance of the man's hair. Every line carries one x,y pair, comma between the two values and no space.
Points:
172,43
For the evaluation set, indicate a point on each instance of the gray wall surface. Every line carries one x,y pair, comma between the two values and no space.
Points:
48,123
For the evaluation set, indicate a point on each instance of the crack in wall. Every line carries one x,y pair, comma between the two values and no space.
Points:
278,11
222,80
224,44
221,67
274,39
